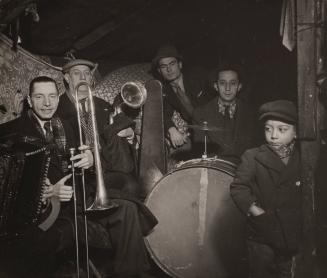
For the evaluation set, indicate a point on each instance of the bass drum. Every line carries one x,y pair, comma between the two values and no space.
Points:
200,233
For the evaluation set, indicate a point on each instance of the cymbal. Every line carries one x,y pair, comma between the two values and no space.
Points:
205,127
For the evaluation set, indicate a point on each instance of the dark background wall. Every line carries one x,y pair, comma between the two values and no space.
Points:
117,33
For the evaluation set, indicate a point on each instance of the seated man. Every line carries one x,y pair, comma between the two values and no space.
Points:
117,163
114,127
119,228
184,89
36,248
230,117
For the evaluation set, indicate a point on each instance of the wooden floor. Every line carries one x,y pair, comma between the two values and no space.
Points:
100,266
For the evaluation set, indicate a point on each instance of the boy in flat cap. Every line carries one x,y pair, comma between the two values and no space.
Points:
267,189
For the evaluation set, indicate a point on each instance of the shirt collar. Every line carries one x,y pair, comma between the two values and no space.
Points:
222,108
41,122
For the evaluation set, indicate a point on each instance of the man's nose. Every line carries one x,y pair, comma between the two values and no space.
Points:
83,76
227,87
46,101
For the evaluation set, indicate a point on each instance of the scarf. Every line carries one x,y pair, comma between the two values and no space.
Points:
283,151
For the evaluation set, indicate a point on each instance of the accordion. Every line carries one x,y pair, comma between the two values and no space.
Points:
23,171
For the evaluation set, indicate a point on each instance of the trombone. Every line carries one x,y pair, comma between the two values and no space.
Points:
101,201
134,95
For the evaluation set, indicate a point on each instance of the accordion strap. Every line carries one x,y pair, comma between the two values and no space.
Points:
51,218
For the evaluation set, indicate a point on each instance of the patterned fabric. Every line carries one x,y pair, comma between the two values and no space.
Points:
179,122
283,151
86,123
17,69
231,108
59,134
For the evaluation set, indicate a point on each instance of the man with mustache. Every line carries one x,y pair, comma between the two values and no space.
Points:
125,228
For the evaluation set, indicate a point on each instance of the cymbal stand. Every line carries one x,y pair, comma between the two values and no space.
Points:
204,156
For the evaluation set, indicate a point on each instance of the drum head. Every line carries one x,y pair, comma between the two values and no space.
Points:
200,232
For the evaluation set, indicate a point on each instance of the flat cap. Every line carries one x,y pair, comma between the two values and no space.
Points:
283,110
77,62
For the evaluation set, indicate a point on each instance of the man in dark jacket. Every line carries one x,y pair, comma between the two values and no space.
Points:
117,152
118,165
183,90
38,245
230,115
121,228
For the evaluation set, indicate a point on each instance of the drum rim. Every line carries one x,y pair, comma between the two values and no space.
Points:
209,159
183,167
155,258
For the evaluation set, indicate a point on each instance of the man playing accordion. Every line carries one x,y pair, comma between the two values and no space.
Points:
37,246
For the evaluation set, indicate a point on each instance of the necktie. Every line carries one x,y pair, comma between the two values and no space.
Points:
86,123
184,99
48,132
227,113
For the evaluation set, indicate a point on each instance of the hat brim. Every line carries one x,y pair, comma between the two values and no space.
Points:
77,62
155,60
277,116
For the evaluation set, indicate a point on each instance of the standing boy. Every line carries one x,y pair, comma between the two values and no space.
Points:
267,189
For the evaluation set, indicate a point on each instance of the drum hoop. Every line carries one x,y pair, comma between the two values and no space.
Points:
209,159
183,167
153,256
226,171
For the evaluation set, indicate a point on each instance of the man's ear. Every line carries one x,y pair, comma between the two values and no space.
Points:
180,63
240,86
215,85
29,101
67,77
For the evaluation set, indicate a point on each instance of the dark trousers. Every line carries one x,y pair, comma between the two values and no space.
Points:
123,225
265,263
34,253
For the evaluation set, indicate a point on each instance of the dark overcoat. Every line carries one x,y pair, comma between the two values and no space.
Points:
116,152
263,178
25,126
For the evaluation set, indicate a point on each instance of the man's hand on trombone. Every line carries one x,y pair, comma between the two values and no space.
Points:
84,159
